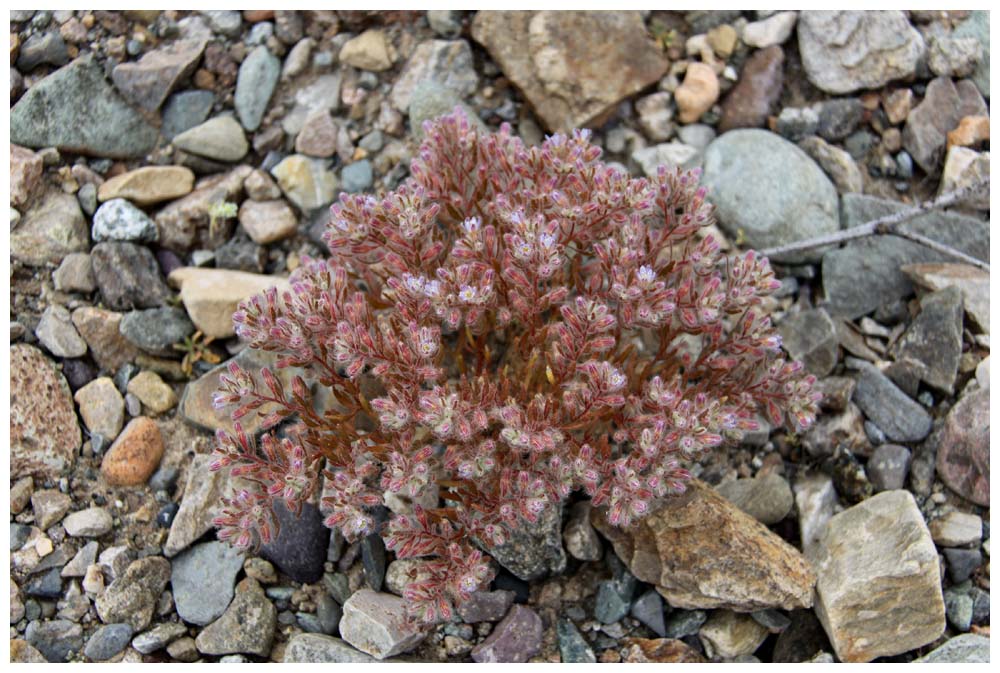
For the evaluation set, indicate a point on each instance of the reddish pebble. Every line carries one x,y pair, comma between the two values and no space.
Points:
258,15
135,455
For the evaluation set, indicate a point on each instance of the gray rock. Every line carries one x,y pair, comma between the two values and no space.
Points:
573,648
132,597
531,552
128,276
978,26
246,627
430,100
376,624
447,62
146,83
310,648
945,103
55,639
837,163
42,48
579,536
300,547
486,606
76,110
838,117
844,51
811,336
683,623
56,332
770,190
47,584
956,529
896,414
950,56
119,220
184,111
226,22
768,498
865,274
83,559
257,78
934,339
91,522
107,641
202,579
329,613
968,648
220,138
75,274
52,229
445,22
671,155
648,609
696,135
288,26
158,637
514,640
797,123
155,330
888,466
322,94
357,177
961,564
958,609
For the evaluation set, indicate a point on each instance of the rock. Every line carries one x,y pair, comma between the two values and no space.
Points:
375,624
689,548
108,641
75,274
696,135
770,190
76,110
25,175
311,648
51,229
756,93
573,648
958,607
978,26
531,552
486,606
83,559
241,254
446,62
803,638
722,39
158,637
91,522
21,652
963,454
972,282
220,138
101,407
766,498
119,220
548,55
431,100
698,93
133,596
811,336
183,649
371,50
614,597
246,627
579,537
202,579
226,22
888,466
55,331
950,56
729,634
773,30
148,185
260,187
934,339
964,168
877,259
945,103
267,221
836,163
514,640
655,115
968,648
357,177
147,82
659,651
212,295
318,137
879,589
135,455
44,431
300,547
100,329
373,559
288,26
896,414
179,222
155,395
956,529
156,330
202,501
323,94
49,507
185,110
306,182
844,51
298,59
128,276
40,49
258,76
55,639
667,154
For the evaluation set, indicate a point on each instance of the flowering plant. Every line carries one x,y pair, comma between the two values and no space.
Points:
511,324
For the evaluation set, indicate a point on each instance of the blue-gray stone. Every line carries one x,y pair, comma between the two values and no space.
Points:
203,578
119,220
155,330
254,85
337,586
224,21
614,598
42,48
357,177
682,623
55,639
958,606
76,110
978,26
573,648
107,641
962,563
896,414
648,609
300,548
373,560
184,111
46,585
967,648
18,535
329,612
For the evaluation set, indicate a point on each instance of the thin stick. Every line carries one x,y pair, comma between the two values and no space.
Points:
890,224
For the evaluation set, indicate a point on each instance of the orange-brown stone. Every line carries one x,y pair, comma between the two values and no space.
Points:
135,455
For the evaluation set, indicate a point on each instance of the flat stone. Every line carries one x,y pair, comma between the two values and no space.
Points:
260,186
211,296
51,229
101,407
748,104
844,51
55,639
371,50
944,105
659,651
486,606
879,587
257,78
148,185
107,641
312,648
49,507
963,448
55,331
888,467
44,431
268,221
158,637
135,455
181,221
185,110
77,567
672,154
128,276
516,639
728,635
375,624
702,552
306,182
357,177
76,110
934,339
203,579
956,529
837,164
42,48
548,55
75,274
655,115
219,138
811,336
766,498
226,22
147,82
579,537
156,330
968,648
100,329
202,501
431,100
446,62
119,220
25,176
246,627
133,596
896,414
90,522
770,190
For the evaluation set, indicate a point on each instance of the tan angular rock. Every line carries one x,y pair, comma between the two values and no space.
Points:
702,552
135,455
970,131
101,407
268,221
371,50
148,185
179,222
963,168
153,392
318,137
99,328
52,228
974,284
212,295
550,56
879,582
698,93
728,634
306,182
25,175
375,624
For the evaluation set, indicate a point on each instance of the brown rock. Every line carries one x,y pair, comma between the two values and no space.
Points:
550,56
963,454
698,93
660,651
148,185
180,221
260,186
257,15
44,431
148,81
268,221
25,175
702,552
212,295
318,137
897,105
756,92
135,455
52,228
944,105
99,328
371,50
970,132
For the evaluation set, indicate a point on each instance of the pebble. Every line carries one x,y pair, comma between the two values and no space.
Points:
773,30
728,635
203,579
944,105
75,274
573,648
531,552
375,624
579,537
146,83
614,598
682,623
956,529
25,175
307,648
837,164
219,138
91,522
322,94
246,627
185,110
119,220
486,606
766,498
183,649
839,117
958,609
978,26
697,94
227,22
107,641
672,154
810,336
373,560
212,295
972,282
128,276
951,56
55,639
156,330
371,50
158,637
756,93
357,177
49,507
306,182
318,137
298,58
267,221
55,331
134,456
934,339
260,186
888,467
150,389
446,23
896,414
144,186
656,115
257,79
299,550
445,62
51,229
516,639
962,563
101,407
964,168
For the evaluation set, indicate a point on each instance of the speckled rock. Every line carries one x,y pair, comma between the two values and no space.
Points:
135,455
133,596
246,627
128,276
514,640
312,648
963,448
968,648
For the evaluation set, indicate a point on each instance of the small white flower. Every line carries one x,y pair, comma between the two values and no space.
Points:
467,294
547,240
471,225
646,274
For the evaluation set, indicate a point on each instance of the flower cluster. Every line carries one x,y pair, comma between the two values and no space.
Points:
511,324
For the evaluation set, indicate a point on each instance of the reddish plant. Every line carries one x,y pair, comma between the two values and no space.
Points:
511,324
